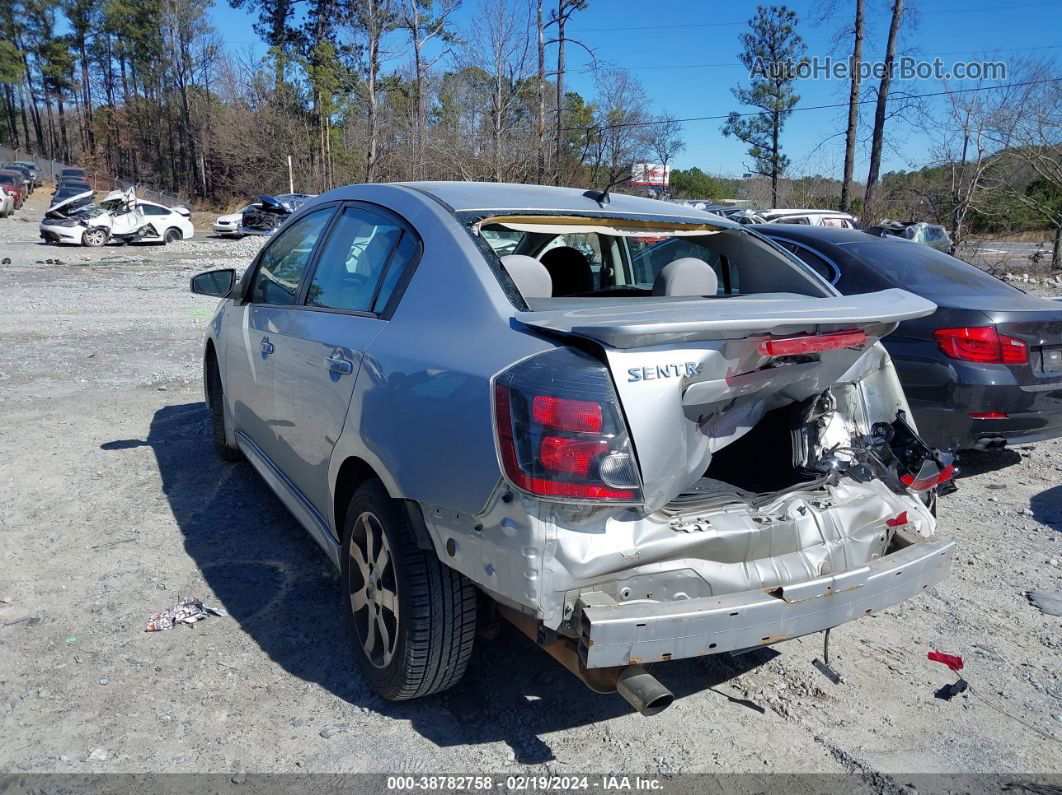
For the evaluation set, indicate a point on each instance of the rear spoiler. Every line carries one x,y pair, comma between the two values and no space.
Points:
644,322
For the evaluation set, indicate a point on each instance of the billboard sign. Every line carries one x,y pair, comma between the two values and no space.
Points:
650,175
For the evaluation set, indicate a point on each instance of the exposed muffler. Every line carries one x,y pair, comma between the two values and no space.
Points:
640,688
643,691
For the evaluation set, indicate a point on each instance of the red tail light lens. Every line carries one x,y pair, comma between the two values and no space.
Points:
560,432
580,416
812,343
981,344
926,480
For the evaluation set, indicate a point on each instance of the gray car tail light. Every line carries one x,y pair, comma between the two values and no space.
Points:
560,431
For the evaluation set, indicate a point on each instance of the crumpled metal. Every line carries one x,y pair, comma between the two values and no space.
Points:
187,611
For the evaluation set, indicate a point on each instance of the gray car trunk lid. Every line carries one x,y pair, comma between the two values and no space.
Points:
691,378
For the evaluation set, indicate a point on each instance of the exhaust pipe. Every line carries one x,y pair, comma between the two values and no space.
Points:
990,443
640,688
643,691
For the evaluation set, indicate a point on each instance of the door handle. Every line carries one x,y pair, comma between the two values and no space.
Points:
338,364
266,346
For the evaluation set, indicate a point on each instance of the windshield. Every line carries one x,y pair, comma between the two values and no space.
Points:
926,271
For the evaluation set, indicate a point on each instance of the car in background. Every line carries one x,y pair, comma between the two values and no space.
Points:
35,172
68,199
7,204
26,173
73,171
121,217
984,370
229,225
628,466
932,235
830,218
269,212
71,183
12,182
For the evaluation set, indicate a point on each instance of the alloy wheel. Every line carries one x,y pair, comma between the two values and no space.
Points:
373,590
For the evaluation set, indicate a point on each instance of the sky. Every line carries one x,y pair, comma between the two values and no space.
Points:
685,54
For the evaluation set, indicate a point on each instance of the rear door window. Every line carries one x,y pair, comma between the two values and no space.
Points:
354,264
284,262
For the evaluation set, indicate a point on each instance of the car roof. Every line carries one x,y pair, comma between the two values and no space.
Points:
817,234
489,196
794,211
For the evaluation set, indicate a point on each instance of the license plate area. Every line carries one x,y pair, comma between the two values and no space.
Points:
1052,359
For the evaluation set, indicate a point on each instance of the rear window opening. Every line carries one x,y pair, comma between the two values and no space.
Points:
606,259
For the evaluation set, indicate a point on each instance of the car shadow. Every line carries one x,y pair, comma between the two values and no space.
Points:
274,580
981,462
1047,507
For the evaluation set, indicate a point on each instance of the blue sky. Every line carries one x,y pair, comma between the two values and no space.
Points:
666,43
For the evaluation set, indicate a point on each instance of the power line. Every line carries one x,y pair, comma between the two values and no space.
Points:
589,68
745,22
903,95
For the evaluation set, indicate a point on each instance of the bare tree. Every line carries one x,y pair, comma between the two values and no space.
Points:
878,135
618,140
663,138
372,19
425,20
540,120
853,108
560,17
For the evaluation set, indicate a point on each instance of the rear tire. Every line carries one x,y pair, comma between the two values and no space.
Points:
218,420
413,619
172,236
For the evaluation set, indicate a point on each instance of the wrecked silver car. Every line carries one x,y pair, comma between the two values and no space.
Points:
641,434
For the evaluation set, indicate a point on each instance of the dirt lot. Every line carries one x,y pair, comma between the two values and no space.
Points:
112,504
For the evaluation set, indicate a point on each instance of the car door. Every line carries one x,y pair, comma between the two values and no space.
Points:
320,351
253,327
156,215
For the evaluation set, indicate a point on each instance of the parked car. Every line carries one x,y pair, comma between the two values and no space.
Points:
35,172
7,204
67,200
985,369
932,235
73,171
27,175
229,225
12,182
266,216
120,217
633,465
830,218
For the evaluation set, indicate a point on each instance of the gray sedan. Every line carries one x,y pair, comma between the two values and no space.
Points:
636,431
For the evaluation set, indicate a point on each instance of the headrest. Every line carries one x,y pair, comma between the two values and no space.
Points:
530,276
570,270
686,276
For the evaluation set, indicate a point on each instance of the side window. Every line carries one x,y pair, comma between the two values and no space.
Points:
813,261
283,263
354,260
154,209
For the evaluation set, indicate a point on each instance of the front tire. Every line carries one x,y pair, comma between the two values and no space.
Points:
94,238
218,420
413,619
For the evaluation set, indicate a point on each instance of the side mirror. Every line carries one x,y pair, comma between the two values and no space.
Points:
217,283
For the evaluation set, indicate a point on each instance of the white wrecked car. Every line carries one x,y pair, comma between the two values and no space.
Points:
120,216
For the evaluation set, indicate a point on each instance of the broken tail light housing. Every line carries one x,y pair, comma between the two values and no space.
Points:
929,476
803,344
560,432
982,344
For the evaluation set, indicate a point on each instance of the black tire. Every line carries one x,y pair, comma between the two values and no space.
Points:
224,450
434,616
172,236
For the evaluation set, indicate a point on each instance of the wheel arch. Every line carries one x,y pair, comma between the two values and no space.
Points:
354,472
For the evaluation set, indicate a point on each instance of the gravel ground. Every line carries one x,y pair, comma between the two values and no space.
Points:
112,505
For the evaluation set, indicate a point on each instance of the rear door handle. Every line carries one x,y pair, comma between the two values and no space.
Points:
266,346
337,364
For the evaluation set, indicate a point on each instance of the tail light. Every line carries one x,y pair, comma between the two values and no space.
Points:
560,432
929,476
981,344
812,343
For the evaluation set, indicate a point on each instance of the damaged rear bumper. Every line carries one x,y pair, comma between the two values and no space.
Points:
642,632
